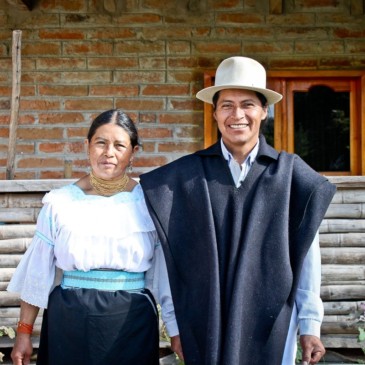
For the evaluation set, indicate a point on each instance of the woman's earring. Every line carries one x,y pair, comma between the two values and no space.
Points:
130,167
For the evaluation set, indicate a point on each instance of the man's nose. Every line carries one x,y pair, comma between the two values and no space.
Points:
238,113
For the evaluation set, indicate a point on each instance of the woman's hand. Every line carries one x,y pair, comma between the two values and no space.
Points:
22,350
176,346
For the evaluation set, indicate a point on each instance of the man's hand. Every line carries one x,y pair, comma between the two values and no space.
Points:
312,349
176,346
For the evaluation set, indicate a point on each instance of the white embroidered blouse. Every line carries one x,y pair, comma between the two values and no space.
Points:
76,231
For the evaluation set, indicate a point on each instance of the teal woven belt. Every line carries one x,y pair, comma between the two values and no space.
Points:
103,280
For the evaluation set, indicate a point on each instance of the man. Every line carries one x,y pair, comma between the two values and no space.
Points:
239,223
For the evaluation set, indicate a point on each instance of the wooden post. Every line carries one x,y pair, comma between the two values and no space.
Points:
15,98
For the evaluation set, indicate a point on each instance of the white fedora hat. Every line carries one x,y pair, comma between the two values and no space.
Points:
239,73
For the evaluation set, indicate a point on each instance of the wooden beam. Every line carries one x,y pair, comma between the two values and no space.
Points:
15,98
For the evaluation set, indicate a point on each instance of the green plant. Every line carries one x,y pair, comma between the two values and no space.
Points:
6,331
361,327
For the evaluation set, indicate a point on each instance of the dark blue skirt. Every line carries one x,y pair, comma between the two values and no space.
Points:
92,327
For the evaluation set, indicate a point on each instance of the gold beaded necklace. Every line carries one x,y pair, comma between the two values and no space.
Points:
108,187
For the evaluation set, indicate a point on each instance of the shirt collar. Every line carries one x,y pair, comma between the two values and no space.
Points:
250,159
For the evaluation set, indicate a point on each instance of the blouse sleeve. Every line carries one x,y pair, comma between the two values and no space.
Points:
157,281
33,278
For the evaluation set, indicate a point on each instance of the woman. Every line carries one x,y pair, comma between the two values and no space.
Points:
98,232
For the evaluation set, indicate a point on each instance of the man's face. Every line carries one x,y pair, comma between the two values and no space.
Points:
239,114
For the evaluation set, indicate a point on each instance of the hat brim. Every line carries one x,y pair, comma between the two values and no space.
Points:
207,94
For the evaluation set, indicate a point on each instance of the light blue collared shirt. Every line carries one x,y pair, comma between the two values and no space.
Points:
308,310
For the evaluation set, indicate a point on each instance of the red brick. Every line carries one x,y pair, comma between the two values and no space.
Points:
38,49
40,133
86,77
80,132
165,89
230,48
112,63
39,163
62,90
85,20
41,77
5,76
149,63
5,119
293,63
182,62
149,161
139,104
184,147
312,47
114,90
89,104
357,47
143,18
6,65
178,47
148,147
26,119
138,47
76,147
226,4
112,33
294,19
140,77
147,117
182,104
176,118
37,104
20,148
54,147
5,104
268,47
356,33
154,133
88,48
44,21
64,63
3,50
335,62
61,6
61,118
181,32
61,34
315,4
180,76
195,132
240,18
25,175
52,175
5,91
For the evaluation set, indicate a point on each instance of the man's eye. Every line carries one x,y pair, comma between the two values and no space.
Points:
226,106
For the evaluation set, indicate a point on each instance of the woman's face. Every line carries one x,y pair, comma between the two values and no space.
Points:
110,151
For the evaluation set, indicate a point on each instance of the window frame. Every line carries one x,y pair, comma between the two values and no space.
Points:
286,82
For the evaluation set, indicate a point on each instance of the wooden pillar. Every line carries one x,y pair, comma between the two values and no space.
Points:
15,98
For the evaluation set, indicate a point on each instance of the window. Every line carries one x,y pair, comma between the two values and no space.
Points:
321,118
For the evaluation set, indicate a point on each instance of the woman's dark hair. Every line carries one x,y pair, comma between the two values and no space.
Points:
260,96
118,117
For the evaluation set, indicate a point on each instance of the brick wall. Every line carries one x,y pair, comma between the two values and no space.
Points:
148,57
